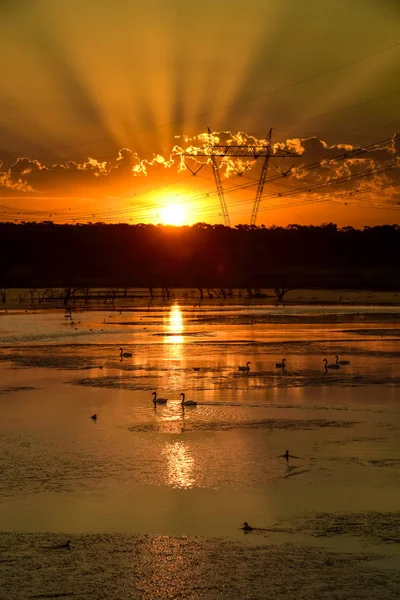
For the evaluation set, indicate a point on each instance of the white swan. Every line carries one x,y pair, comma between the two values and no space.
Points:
332,366
187,402
124,354
341,362
245,368
281,365
159,400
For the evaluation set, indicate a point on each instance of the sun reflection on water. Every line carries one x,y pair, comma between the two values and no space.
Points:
180,465
174,327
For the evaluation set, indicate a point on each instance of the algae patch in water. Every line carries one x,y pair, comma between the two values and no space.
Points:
16,388
288,424
373,527
137,384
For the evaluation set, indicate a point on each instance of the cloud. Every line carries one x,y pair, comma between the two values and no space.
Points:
322,168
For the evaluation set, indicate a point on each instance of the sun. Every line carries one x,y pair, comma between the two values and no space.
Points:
173,214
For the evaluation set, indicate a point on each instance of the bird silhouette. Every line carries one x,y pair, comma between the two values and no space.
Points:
287,455
245,368
341,362
158,400
187,402
123,354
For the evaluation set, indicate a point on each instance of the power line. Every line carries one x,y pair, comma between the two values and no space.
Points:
112,214
356,105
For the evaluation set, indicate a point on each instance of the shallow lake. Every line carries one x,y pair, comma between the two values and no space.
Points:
203,470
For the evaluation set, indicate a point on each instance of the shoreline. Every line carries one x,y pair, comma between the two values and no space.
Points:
20,299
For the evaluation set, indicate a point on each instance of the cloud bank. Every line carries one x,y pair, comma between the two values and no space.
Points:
322,170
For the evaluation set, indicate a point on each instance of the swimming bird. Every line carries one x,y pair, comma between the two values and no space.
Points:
281,365
332,366
59,546
287,455
159,400
246,527
341,362
245,368
187,402
94,417
124,354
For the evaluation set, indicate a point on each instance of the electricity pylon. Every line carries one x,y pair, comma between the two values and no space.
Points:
251,151
218,183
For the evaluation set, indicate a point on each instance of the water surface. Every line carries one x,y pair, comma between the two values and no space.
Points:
140,471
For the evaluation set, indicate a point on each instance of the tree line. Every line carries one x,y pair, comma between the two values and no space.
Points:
200,256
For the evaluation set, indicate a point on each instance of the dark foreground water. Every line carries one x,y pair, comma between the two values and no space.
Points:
152,499
124,566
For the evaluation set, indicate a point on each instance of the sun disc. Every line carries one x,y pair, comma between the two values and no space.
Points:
173,214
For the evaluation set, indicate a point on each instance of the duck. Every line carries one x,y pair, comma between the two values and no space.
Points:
246,527
159,400
59,546
245,368
341,362
94,417
187,402
124,354
281,365
332,366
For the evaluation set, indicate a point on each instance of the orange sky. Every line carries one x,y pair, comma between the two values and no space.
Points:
98,98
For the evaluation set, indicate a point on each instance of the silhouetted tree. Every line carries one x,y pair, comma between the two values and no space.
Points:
85,291
206,257
281,293
68,294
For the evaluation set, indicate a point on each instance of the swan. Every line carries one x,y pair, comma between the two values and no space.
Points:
94,417
245,368
332,366
187,402
341,362
124,354
246,527
159,400
281,365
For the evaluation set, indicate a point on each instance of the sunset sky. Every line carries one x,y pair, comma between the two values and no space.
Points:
98,99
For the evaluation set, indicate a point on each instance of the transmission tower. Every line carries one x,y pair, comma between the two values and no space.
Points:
251,151
218,183
261,181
